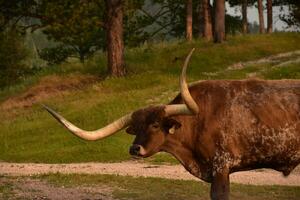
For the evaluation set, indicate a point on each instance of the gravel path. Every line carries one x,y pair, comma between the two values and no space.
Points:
134,168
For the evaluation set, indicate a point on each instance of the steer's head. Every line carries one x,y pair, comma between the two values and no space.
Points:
150,125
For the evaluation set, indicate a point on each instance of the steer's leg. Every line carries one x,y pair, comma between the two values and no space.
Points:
220,186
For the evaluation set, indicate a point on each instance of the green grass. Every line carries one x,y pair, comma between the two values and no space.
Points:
31,135
140,188
126,187
6,189
290,71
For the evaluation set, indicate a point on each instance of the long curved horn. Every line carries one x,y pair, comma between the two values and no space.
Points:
92,135
177,109
185,94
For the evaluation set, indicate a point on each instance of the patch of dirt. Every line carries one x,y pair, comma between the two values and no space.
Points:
277,59
29,188
169,95
294,61
139,168
48,86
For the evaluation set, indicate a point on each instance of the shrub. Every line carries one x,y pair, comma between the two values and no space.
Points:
13,55
55,55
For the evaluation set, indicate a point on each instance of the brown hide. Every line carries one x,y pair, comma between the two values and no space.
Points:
242,125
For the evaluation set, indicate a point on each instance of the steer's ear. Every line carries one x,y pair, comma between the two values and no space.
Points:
170,125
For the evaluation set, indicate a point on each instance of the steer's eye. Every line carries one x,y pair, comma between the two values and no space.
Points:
155,125
130,130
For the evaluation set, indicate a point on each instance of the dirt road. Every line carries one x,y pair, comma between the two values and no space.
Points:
137,168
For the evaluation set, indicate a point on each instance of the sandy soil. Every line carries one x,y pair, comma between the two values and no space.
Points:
48,86
138,168
35,189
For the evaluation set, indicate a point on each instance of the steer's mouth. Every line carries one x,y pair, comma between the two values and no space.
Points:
138,151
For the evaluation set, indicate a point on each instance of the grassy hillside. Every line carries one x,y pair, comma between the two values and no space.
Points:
29,134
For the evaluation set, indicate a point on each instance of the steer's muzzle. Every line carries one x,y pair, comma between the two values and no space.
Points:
135,150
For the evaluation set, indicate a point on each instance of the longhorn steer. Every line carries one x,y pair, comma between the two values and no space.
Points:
217,128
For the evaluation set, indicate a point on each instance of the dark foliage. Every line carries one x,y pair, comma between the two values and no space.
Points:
56,55
13,56
292,18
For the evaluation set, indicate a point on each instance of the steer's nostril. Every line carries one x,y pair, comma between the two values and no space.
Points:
134,150
138,148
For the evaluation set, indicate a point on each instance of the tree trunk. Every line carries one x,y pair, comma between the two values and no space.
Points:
219,34
244,14
261,16
200,20
81,58
114,38
270,16
189,20
207,19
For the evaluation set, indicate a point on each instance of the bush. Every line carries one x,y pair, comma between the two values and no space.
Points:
55,55
13,56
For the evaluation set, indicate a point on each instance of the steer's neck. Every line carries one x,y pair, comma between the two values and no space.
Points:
180,145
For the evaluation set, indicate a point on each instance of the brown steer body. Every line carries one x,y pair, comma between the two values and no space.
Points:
241,125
